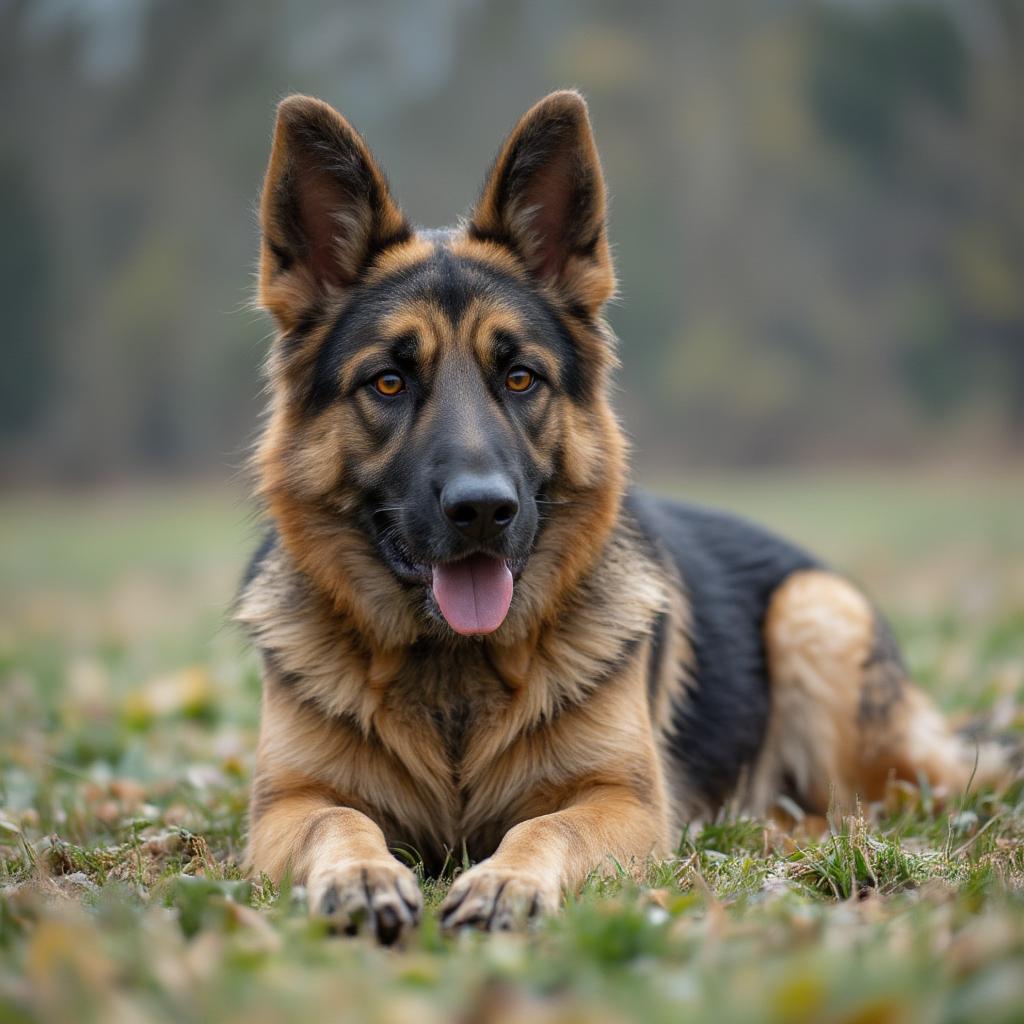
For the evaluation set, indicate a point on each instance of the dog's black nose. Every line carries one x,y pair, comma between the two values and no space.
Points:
480,507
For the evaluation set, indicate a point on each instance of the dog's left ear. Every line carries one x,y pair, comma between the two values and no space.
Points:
545,199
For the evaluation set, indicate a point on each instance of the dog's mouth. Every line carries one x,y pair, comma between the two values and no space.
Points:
472,593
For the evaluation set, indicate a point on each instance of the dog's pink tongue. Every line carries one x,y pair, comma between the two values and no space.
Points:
474,594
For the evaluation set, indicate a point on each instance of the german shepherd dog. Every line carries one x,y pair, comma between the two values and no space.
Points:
478,640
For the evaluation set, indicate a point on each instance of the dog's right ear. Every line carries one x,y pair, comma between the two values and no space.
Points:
326,210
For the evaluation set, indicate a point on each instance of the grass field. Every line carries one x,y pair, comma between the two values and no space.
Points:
129,709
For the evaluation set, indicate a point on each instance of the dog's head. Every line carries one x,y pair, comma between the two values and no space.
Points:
440,444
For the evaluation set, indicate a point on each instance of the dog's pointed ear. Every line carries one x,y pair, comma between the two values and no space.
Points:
326,209
545,199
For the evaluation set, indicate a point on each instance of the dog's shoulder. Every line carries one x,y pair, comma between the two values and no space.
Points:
726,570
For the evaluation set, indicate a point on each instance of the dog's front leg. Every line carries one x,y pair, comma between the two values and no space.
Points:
341,856
541,858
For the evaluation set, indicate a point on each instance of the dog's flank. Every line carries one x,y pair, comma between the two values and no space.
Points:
474,636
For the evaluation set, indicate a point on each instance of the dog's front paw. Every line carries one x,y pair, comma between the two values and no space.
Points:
497,899
380,898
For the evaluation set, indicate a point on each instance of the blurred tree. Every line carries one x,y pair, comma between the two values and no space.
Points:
24,291
818,209
869,66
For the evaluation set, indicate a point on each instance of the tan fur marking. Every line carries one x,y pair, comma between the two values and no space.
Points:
491,254
821,634
397,258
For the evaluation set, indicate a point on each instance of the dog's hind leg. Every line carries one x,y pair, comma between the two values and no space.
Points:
845,718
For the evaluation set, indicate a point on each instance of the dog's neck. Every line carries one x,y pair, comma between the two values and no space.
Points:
319,652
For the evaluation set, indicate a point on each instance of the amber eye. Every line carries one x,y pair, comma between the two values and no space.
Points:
389,385
520,379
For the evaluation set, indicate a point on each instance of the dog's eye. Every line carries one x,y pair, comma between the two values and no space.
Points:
389,385
520,379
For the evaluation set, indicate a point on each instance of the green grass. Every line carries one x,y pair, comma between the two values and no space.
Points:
127,737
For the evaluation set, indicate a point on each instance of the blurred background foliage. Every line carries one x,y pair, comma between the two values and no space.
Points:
818,215
818,211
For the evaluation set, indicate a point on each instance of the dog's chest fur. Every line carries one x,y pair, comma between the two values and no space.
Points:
449,744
